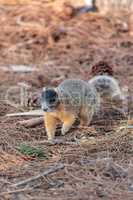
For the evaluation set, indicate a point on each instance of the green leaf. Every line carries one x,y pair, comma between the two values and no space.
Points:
37,152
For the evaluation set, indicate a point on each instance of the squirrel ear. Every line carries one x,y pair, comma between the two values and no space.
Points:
56,90
44,88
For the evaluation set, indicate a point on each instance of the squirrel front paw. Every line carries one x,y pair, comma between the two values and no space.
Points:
50,138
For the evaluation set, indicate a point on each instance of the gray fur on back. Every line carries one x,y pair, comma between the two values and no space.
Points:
75,93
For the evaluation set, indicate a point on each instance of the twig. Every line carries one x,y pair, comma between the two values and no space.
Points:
32,122
16,191
53,142
19,69
45,173
30,113
130,127
20,22
126,127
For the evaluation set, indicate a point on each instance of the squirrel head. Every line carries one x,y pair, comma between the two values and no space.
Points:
49,99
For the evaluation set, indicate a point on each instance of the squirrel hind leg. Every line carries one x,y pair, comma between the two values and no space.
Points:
86,115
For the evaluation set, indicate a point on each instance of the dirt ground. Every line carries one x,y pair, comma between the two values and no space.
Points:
97,160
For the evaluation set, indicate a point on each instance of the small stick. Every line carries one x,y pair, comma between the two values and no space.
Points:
32,122
130,127
45,173
15,191
30,113
19,69
53,142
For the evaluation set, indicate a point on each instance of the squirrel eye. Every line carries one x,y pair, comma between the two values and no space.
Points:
52,100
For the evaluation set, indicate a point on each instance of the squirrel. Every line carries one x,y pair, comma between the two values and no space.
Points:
71,99
107,87
104,82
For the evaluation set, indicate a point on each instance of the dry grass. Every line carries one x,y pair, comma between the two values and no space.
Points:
97,159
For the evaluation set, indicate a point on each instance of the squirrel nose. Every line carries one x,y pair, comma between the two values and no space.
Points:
45,109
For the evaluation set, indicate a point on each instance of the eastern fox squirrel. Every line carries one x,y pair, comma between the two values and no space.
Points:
104,82
73,98
106,86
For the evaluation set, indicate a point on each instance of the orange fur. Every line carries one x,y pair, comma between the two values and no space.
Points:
51,119
50,125
130,122
66,117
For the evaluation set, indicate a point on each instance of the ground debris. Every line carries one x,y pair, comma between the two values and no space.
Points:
97,159
45,173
